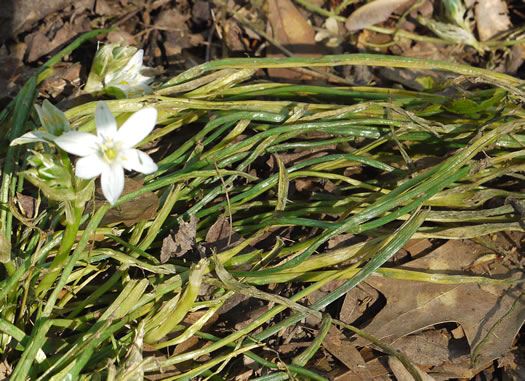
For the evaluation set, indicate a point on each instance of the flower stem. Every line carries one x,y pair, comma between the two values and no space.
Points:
65,248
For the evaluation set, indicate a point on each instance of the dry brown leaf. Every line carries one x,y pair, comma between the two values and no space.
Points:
377,369
122,37
289,26
430,348
340,347
20,15
219,230
54,34
292,30
201,11
402,374
103,8
138,209
233,36
181,242
27,204
246,375
5,370
491,18
412,306
178,35
372,13
356,302
220,235
193,317
513,366
64,74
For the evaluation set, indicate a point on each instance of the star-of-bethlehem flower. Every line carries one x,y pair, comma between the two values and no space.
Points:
118,71
111,151
129,80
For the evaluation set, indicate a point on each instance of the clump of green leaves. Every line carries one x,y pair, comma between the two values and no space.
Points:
85,296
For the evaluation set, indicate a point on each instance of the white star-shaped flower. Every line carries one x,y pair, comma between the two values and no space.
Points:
130,80
111,151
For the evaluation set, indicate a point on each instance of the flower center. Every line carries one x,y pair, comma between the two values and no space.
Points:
109,150
110,153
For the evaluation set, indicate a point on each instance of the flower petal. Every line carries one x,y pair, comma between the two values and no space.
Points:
33,137
112,182
135,160
90,166
78,143
137,127
139,88
106,123
135,63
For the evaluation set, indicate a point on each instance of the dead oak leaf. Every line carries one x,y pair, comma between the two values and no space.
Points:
412,306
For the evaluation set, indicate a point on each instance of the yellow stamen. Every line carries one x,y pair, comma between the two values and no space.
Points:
110,153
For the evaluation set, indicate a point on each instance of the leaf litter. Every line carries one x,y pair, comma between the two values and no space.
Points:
181,242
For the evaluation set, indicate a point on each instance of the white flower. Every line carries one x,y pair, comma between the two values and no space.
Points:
129,80
118,71
111,151
53,120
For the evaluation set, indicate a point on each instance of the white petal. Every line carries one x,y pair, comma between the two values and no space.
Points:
139,89
90,166
78,143
33,137
112,182
135,160
116,79
106,123
137,127
135,63
143,80
109,78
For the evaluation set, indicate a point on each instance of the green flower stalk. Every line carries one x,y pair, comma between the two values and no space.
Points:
117,70
54,178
